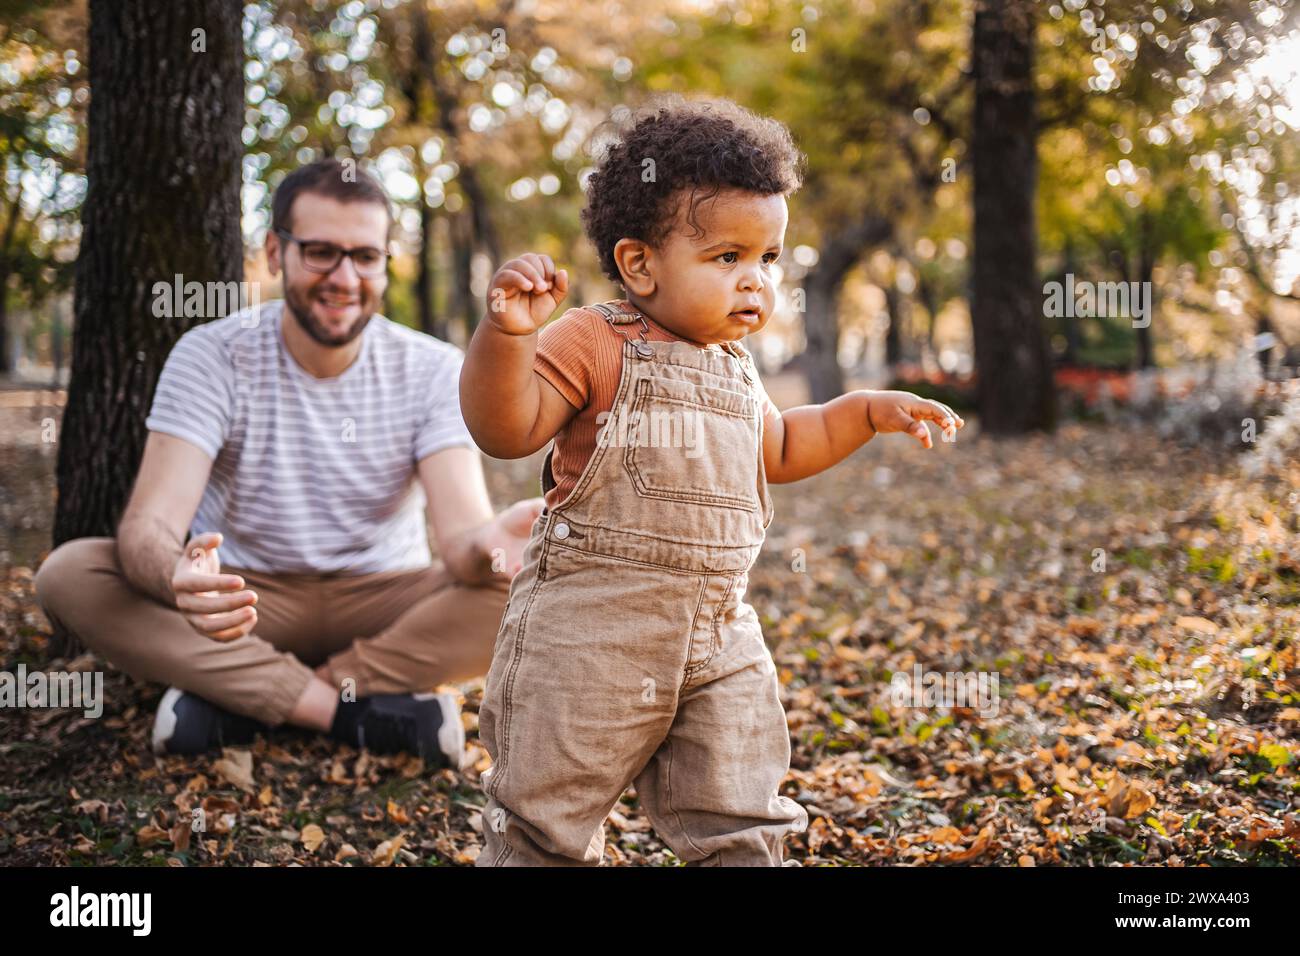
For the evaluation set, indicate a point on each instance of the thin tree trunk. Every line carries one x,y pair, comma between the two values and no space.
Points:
6,354
1070,323
929,301
163,177
57,331
893,332
1012,357
420,73
6,245
821,289
471,228
462,258
424,277
1146,268
822,332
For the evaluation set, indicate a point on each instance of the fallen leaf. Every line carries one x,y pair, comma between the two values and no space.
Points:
236,767
384,853
312,837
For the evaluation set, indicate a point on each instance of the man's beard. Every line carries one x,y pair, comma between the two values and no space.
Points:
319,334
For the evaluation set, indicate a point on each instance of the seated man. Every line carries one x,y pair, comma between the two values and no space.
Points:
290,436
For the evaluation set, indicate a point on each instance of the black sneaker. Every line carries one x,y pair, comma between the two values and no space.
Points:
188,724
427,725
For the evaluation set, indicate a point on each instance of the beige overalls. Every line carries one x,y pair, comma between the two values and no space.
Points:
627,653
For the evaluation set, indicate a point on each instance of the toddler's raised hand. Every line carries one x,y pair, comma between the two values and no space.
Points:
905,412
524,293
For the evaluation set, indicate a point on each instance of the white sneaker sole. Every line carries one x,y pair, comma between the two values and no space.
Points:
164,721
451,734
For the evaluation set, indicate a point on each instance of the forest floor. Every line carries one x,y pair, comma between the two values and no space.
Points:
1137,600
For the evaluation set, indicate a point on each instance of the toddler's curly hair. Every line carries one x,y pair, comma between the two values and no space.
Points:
703,146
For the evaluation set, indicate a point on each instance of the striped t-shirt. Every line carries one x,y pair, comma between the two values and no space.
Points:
312,475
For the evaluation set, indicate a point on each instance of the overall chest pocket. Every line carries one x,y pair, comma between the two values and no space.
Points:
692,443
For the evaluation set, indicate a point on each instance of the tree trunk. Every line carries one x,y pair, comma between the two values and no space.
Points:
462,262
420,74
1146,268
7,360
822,332
1069,322
929,301
57,329
472,228
1012,357
424,276
162,198
6,357
895,305
822,288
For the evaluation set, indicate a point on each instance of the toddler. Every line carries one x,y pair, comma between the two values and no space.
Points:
627,652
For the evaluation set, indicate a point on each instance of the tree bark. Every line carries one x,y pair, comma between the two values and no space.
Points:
6,357
1012,357
424,276
821,288
460,232
472,228
6,247
1069,322
895,305
1146,268
418,75
163,177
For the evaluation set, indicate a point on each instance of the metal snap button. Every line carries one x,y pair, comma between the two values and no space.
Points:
561,530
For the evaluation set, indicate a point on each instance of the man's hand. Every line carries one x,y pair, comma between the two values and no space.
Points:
216,605
524,293
505,536
905,412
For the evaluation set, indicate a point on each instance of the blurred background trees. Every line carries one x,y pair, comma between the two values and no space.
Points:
962,153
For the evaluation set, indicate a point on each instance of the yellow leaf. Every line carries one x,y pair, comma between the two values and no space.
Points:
945,835
1139,802
312,836
346,851
236,766
386,851
149,834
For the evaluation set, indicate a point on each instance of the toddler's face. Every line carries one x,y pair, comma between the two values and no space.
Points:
700,283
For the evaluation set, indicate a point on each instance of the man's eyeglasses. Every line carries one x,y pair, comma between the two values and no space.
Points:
323,257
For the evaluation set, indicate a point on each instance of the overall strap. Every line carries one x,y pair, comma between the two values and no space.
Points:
742,357
617,318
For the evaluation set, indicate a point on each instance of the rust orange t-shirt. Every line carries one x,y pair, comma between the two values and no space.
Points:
581,355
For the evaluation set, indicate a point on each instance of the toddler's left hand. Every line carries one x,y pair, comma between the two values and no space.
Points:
905,412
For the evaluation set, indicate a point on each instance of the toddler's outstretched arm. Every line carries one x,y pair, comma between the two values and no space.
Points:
811,438
511,410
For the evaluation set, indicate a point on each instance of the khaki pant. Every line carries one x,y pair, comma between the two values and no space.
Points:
391,632
628,654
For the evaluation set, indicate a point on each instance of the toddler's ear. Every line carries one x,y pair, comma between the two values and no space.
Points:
633,259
